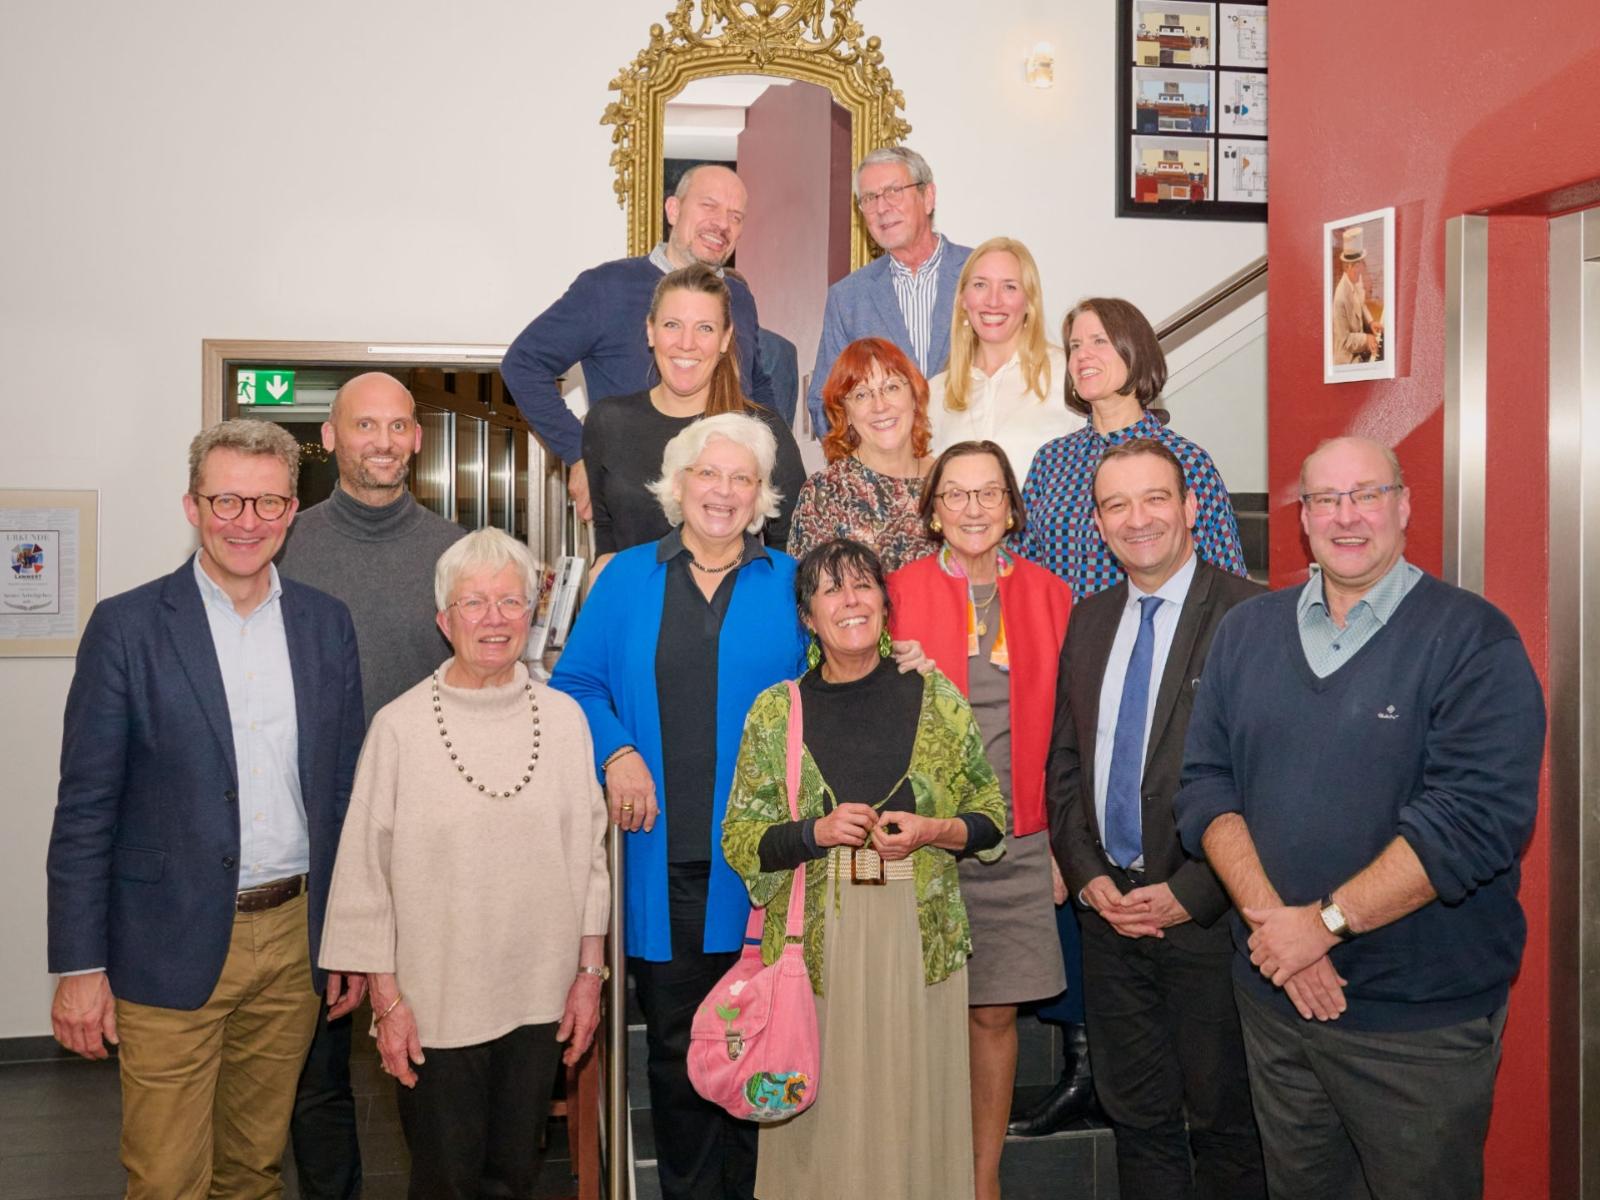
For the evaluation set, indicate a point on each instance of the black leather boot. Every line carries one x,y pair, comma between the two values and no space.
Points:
1070,1100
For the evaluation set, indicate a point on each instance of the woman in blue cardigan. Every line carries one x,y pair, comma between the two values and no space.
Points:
675,641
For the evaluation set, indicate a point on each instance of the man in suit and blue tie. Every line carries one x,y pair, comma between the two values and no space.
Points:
210,739
907,295
1164,1036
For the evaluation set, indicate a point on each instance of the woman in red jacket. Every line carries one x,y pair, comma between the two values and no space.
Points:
994,624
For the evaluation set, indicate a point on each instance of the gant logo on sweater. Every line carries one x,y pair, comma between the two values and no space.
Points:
1389,714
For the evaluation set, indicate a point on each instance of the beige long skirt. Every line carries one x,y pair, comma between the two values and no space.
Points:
893,1117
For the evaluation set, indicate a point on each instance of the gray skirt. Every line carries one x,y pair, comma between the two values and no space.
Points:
893,1116
1016,953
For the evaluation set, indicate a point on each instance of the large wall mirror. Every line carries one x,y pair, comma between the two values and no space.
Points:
789,94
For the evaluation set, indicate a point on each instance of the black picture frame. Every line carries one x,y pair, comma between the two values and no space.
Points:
1185,124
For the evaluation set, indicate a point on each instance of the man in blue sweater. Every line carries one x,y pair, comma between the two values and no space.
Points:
1362,772
599,322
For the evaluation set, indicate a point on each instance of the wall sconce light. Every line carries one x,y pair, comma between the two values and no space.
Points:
1040,67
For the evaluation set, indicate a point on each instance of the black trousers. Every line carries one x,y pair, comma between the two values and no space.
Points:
327,1154
1350,1115
701,1152
475,1122
1169,1066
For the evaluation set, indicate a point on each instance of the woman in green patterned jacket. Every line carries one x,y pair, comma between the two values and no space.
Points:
894,786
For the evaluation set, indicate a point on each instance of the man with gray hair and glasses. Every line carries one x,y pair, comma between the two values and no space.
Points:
907,295
1362,773
599,323
209,745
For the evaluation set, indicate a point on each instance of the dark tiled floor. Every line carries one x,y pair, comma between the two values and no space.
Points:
59,1121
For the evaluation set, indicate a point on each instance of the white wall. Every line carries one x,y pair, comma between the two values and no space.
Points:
406,171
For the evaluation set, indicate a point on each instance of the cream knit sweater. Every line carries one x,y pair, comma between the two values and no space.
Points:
475,905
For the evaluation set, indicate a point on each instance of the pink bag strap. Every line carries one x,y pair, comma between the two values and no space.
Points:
797,890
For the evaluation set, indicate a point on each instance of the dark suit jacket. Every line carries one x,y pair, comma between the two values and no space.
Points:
1074,828
144,855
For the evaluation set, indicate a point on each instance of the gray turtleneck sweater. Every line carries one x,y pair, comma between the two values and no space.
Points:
379,561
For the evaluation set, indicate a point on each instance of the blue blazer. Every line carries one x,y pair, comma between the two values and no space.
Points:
144,854
609,667
863,304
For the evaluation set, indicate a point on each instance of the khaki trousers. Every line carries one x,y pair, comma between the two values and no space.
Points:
207,1094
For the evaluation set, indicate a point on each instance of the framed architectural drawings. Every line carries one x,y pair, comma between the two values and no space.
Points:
1192,110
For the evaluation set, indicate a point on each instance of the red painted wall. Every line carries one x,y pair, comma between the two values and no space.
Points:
1439,110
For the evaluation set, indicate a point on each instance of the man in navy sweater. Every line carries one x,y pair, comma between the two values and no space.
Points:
1362,772
599,322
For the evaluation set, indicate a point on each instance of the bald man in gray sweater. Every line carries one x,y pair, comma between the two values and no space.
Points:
373,546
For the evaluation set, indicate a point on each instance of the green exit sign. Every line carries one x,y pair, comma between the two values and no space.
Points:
273,386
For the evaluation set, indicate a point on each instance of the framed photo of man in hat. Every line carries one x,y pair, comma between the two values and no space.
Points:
1360,332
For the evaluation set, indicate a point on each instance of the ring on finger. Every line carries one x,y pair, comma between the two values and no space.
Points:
627,808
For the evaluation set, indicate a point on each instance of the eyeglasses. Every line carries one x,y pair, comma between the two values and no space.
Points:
476,608
230,507
739,481
955,499
893,391
889,195
1364,498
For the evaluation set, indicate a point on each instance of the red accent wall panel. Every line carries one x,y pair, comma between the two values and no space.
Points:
1438,111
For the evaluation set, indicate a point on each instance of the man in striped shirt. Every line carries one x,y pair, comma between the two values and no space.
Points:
906,296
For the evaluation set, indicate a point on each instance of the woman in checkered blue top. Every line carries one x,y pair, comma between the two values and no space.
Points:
1115,372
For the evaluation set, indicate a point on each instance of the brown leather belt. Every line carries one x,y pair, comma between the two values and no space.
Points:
270,895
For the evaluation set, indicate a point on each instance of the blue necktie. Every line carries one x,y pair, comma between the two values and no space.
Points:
1124,814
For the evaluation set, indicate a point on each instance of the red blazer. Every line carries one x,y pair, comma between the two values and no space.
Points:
931,606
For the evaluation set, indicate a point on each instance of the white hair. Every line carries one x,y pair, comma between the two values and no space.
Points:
484,550
684,450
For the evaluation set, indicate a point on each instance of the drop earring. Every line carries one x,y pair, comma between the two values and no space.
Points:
813,654
885,644
935,526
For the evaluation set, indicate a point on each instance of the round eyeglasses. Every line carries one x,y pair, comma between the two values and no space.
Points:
955,499
230,507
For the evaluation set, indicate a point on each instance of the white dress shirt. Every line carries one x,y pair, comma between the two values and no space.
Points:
1172,594
253,655
1001,408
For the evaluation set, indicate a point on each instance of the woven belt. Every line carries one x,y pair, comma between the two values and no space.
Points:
868,864
270,895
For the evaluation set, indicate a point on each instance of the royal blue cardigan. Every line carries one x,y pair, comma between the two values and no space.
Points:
609,668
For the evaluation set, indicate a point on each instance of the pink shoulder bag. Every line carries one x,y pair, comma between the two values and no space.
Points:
753,1046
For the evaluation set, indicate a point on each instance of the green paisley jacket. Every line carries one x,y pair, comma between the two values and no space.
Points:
949,775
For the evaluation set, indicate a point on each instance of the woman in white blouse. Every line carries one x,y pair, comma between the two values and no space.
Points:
1004,382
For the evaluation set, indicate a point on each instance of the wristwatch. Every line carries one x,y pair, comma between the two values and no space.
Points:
603,972
1333,919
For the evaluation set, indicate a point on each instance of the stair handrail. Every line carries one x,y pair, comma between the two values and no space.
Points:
1187,319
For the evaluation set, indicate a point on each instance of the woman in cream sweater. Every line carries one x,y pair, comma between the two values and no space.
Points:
471,886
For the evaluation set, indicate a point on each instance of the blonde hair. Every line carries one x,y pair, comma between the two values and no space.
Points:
1031,350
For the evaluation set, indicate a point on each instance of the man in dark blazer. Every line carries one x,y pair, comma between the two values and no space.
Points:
908,295
1164,1038
211,735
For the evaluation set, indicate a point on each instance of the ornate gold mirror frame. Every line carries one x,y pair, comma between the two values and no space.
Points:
796,39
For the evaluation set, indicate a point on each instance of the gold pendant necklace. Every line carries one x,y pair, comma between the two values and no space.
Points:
980,612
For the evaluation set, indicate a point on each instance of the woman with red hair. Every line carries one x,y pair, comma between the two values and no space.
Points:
877,448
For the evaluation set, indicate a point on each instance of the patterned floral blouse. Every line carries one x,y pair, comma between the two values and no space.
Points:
949,775
1061,534
849,499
